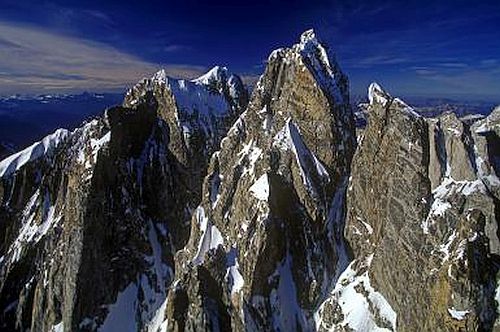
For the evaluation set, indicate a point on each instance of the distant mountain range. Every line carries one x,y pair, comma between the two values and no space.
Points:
24,119
432,106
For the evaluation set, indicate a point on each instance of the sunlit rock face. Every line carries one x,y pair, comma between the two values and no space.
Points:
264,246
422,224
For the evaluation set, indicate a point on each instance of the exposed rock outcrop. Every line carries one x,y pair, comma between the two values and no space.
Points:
263,247
422,224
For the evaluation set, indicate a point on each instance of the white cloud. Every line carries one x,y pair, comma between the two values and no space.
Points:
379,60
35,61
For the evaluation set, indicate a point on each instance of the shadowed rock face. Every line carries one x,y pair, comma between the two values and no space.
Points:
422,224
262,251
97,217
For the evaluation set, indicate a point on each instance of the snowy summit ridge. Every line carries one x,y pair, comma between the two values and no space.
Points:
217,74
322,63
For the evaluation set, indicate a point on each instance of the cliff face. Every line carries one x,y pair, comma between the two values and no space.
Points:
263,247
194,207
422,224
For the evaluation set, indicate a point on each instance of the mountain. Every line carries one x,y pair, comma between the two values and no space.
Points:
432,107
102,209
262,249
196,207
421,223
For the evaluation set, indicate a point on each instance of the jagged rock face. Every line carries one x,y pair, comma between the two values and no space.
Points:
131,219
90,219
198,114
263,247
422,225
41,222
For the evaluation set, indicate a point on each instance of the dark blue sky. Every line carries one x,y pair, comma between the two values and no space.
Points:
417,48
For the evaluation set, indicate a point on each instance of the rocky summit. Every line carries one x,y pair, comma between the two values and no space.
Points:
194,206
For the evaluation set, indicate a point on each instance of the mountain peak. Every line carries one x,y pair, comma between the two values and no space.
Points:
160,76
323,65
217,74
310,45
377,95
308,36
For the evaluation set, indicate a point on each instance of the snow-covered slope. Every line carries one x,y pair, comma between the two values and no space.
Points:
37,150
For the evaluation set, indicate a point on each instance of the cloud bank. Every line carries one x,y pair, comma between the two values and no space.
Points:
36,61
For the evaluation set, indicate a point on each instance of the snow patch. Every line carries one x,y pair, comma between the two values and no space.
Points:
141,305
357,306
376,95
191,97
260,189
215,74
154,288
287,313
215,184
440,194
289,138
368,227
233,275
406,108
122,314
31,231
445,248
251,153
458,314
58,327
95,146
210,237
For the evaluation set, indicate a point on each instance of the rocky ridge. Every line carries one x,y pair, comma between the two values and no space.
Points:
262,250
422,224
